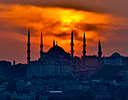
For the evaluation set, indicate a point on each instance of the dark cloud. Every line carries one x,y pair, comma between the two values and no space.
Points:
89,27
76,35
62,35
52,24
11,27
54,3
91,40
103,6
65,35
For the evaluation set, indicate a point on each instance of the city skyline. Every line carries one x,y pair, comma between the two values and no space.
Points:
63,50
110,26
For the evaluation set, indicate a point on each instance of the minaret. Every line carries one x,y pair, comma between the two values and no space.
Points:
84,50
72,51
41,46
53,43
84,46
56,43
28,45
99,51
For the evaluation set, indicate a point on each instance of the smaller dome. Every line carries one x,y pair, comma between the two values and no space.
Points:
116,55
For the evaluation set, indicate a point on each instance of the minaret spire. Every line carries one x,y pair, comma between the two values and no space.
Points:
84,51
84,46
53,43
56,43
99,51
72,51
28,45
41,46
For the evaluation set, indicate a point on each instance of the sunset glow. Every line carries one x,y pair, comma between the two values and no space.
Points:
56,23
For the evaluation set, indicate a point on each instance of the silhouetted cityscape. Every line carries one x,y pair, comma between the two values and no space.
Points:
58,75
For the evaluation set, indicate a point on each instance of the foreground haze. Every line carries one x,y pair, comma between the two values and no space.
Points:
57,23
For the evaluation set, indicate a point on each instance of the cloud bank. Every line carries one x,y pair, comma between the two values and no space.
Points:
55,23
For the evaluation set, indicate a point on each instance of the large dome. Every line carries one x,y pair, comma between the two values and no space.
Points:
116,55
56,50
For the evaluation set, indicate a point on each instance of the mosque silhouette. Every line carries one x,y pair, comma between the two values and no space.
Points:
57,62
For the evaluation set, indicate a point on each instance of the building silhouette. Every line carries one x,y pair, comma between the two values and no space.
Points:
57,62
115,60
28,45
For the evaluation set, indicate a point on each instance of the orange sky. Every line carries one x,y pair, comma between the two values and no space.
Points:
55,23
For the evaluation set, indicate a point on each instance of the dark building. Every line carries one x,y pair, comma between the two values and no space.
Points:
18,70
57,62
5,67
115,60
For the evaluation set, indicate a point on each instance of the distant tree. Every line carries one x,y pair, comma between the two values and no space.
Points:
37,97
34,76
55,87
66,99
86,96
2,80
18,70
16,99
108,73
11,86
8,97
50,98
122,92
111,89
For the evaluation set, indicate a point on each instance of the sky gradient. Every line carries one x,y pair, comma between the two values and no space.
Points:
104,19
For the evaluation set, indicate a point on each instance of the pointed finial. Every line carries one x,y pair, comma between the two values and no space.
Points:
84,46
41,46
41,31
99,40
28,47
72,31
72,44
53,43
56,43
28,29
99,49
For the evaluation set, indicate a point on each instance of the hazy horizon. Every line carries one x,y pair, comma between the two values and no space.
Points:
107,20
